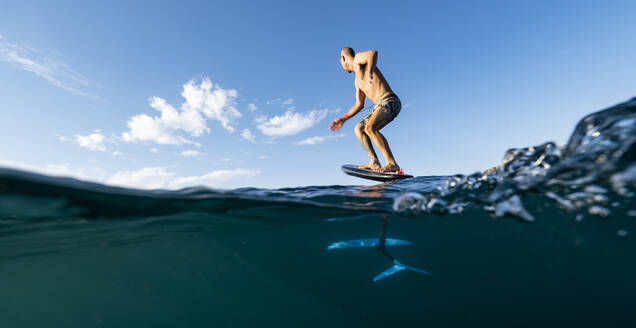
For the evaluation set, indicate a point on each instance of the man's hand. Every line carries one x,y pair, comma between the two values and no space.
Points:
336,124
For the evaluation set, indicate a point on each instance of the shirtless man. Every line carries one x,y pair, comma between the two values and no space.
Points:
370,83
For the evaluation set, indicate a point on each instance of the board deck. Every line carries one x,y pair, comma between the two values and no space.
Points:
353,170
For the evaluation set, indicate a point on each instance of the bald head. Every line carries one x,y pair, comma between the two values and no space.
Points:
346,58
347,51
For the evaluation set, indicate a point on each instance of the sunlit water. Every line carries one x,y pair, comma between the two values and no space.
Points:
545,239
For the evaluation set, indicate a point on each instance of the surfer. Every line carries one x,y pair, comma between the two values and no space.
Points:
370,83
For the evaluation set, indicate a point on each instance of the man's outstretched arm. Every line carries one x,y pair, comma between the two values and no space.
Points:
357,106
337,123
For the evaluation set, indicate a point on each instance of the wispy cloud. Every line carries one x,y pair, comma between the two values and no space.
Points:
251,107
290,123
311,141
318,139
45,65
202,102
280,101
247,135
191,153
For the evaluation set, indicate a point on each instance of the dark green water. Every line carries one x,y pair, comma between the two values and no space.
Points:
547,239
268,265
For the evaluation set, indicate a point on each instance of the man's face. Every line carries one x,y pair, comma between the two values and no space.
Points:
343,62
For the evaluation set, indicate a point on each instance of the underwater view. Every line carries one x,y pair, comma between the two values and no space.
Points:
546,238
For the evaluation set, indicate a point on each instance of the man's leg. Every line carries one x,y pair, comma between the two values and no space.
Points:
378,120
374,163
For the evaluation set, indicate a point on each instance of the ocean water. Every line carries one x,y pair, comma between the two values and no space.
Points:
547,238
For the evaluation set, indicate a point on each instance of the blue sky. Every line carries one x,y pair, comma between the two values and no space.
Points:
170,94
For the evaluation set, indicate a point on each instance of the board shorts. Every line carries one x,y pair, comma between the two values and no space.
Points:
391,106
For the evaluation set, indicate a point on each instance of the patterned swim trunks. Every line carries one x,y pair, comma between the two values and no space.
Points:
390,104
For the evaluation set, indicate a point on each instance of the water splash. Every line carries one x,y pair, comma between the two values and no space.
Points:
596,165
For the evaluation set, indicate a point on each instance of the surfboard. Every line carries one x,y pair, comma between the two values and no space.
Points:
353,170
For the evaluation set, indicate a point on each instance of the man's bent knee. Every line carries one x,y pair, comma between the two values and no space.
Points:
359,129
369,129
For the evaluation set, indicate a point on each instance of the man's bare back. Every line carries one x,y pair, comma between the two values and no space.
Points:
370,83
373,84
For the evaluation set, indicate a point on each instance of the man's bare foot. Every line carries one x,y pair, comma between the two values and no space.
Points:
371,166
389,168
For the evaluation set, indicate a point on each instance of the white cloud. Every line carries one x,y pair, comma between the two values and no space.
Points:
263,157
247,135
87,173
190,153
117,153
202,102
251,107
311,141
212,179
161,129
290,123
317,139
44,65
160,177
217,104
93,141
153,150
146,178
280,101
